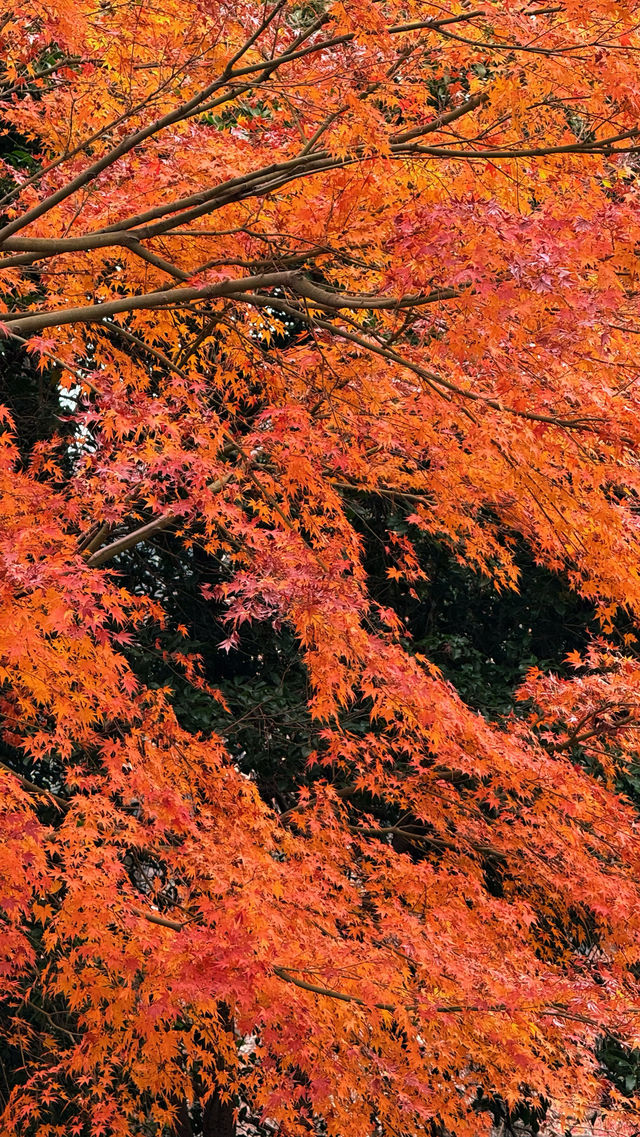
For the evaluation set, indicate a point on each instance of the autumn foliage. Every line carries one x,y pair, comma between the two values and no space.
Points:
277,256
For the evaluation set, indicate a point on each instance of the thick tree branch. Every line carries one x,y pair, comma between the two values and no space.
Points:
145,532
92,312
37,791
437,382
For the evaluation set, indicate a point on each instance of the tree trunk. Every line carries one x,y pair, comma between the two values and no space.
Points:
218,1119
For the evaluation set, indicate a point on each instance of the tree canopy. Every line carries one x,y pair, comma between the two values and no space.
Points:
300,304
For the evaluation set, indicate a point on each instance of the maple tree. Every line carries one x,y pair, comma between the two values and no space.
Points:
271,259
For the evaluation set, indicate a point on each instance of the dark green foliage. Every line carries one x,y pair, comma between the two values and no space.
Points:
483,640
622,1065
31,395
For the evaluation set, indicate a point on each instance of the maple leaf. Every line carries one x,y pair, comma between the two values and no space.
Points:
313,279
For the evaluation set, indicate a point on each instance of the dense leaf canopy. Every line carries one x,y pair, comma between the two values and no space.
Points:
263,267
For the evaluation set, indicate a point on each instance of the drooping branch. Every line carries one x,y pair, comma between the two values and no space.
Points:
437,382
